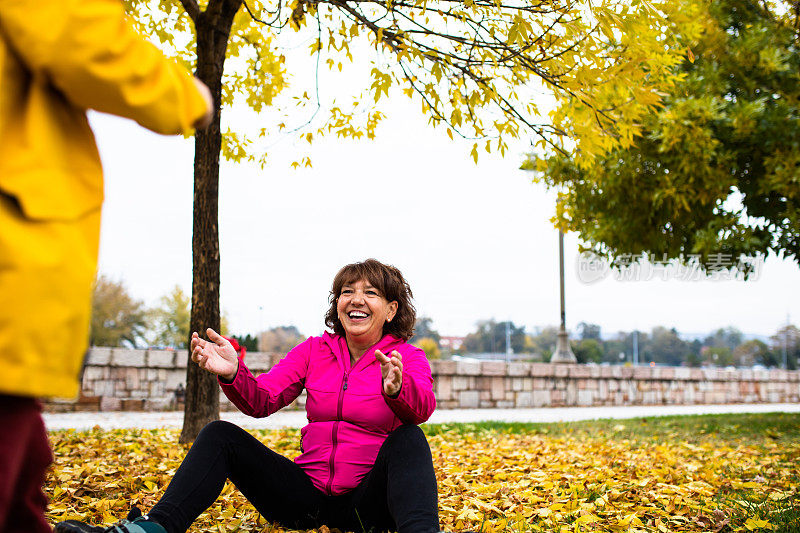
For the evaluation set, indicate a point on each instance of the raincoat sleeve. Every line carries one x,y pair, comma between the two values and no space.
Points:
269,392
91,53
416,402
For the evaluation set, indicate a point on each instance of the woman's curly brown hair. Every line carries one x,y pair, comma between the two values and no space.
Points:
391,284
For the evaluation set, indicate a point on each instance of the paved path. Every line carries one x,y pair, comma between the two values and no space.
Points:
295,419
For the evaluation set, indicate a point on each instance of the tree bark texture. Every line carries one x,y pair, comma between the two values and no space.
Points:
213,28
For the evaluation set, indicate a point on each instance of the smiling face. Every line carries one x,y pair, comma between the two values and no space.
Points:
363,311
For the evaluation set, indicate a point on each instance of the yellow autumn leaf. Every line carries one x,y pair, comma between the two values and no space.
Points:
605,481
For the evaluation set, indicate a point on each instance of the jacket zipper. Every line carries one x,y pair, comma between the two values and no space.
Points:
335,432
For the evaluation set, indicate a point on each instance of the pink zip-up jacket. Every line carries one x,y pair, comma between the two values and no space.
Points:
349,416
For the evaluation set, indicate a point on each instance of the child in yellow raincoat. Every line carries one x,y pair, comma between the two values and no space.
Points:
59,58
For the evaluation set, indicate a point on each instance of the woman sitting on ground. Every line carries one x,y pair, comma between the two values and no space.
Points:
365,464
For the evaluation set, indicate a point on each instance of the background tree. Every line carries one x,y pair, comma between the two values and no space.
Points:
589,331
280,339
588,351
490,337
250,342
695,346
169,322
588,348
621,342
786,338
544,341
469,65
729,338
666,347
429,346
694,360
423,328
752,352
426,338
718,355
117,319
713,175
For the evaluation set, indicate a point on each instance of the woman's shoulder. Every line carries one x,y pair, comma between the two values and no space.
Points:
322,343
309,343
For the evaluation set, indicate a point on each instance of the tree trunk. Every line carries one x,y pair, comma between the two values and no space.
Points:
202,393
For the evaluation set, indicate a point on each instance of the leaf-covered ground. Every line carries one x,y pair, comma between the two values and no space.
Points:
706,473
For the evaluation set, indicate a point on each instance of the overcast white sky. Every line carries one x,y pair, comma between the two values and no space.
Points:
474,241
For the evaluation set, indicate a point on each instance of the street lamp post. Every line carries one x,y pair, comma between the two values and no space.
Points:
260,328
563,352
786,345
508,341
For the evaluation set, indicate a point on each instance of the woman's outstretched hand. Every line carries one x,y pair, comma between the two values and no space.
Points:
217,355
392,372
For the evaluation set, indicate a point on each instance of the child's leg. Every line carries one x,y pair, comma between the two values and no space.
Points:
24,457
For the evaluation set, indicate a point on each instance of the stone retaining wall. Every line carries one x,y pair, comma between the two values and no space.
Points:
122,379
463,384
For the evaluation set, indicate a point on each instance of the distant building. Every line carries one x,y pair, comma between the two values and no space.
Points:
451,343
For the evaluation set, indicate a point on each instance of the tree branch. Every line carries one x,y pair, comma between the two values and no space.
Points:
271,23
192,9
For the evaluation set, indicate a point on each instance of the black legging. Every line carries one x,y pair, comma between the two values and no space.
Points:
399,493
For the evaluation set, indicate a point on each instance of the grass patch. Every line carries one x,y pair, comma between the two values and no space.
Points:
753,512
727,428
